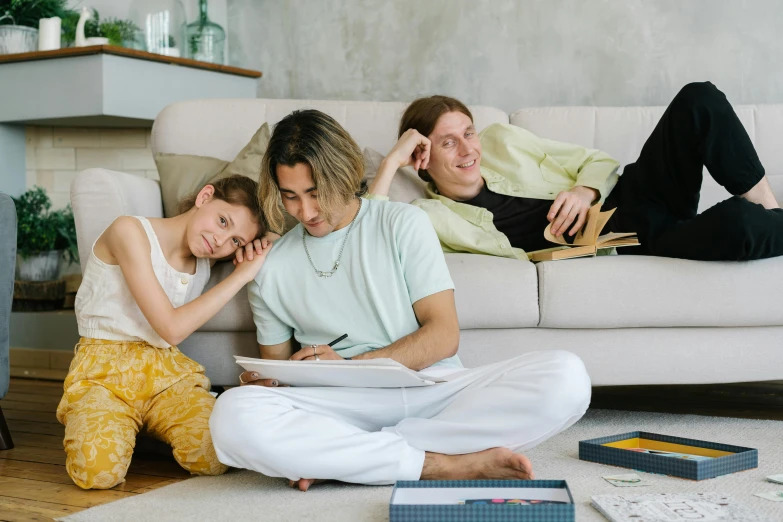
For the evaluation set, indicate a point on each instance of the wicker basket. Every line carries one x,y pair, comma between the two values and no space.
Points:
38,296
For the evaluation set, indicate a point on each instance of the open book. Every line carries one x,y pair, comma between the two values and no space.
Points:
588,241
375,373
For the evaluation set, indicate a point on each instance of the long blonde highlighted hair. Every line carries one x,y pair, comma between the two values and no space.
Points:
317,140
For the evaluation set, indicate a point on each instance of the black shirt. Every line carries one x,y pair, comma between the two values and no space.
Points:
522,220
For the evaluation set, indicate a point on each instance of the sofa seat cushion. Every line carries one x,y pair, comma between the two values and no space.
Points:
641,291
491,292
494,292
236,315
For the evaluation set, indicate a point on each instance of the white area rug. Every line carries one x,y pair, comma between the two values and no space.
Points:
244,495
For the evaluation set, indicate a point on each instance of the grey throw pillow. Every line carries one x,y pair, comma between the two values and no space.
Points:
183,174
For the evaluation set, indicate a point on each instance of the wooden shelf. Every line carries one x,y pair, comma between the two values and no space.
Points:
108,86
99,86
130,53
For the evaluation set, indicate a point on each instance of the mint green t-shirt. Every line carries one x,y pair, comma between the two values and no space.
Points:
392,258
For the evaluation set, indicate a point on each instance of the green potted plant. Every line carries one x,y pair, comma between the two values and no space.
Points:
119,32
19,22
43,235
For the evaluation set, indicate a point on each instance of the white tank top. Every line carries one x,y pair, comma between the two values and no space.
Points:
105,308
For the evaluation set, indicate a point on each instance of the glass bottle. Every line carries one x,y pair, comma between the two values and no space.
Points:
163,25
205,39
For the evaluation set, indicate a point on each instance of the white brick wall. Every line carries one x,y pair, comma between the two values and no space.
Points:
56,154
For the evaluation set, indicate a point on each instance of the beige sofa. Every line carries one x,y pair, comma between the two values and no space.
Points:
633,320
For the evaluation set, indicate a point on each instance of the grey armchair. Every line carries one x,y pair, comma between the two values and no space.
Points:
7,266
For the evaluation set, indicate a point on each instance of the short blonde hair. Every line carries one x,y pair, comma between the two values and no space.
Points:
318,141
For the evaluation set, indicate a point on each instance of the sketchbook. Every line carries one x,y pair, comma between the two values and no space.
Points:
377,373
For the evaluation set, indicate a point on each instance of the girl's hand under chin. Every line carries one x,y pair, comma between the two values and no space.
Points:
250,258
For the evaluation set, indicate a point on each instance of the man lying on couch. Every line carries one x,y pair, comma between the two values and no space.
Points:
374,270
495,194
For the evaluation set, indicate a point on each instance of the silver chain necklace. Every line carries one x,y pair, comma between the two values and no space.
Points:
322,273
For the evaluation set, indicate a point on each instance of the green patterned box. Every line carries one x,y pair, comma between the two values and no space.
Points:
725,458
481,512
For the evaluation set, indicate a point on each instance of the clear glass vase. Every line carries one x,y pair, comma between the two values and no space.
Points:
162,23
205,39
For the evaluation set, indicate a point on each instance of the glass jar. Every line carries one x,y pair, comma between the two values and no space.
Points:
162,23
205,39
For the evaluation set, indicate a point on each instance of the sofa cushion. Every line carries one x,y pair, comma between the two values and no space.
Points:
183,174
640,291
491,292
236,315
7,265
99,196
406,185
494,292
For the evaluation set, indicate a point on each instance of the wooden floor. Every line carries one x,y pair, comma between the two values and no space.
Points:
33,482
35,486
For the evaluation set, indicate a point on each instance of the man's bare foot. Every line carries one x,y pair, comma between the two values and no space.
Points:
495,463
304,484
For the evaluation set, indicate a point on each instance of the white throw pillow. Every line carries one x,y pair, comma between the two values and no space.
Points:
406,185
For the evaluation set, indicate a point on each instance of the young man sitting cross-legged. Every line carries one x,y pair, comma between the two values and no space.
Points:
374,270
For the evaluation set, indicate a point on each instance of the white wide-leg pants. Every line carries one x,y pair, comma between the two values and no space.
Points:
380,435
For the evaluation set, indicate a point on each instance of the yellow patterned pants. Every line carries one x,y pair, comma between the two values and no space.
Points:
116,388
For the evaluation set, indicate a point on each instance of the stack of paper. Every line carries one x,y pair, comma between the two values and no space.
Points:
375,373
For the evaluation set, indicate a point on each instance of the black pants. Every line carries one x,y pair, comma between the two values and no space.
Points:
657,197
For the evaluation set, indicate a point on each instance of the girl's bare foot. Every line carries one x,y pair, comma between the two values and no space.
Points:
495,463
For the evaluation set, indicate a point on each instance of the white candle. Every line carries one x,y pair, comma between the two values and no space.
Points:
49,33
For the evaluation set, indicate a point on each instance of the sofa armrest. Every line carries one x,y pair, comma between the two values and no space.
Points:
100,196
7,265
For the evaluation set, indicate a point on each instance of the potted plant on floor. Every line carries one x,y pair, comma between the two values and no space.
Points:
43,236
19,22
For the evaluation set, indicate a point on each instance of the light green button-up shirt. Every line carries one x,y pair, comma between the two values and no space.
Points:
515,162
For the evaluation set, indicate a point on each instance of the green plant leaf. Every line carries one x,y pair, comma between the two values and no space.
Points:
118,31
40,229
28,12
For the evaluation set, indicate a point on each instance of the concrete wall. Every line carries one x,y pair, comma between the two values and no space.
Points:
510,53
